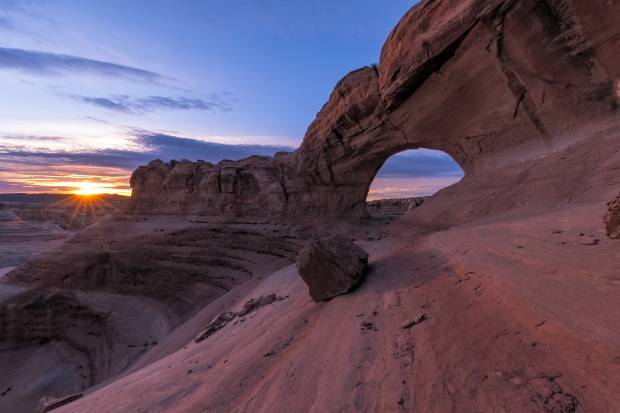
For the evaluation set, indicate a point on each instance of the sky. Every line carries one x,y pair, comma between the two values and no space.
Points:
92,89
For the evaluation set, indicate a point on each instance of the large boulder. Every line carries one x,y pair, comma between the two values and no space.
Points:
612,218
331,266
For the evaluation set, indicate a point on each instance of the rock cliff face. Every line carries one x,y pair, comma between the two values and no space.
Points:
498,84
250,187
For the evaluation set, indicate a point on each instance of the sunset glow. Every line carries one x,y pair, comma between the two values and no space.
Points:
91,188
73,179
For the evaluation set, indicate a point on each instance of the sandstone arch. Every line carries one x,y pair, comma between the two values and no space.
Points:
523,94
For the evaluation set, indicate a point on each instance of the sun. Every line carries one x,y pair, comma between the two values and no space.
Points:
87,188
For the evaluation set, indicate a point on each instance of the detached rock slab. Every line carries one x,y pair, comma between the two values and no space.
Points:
612,218
331,266
412,322
48,403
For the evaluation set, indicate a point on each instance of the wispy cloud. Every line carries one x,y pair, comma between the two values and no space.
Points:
141,105
43,158
44,63
33,138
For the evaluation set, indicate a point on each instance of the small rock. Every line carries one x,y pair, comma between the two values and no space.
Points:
516,380
595,241
368,326
410,323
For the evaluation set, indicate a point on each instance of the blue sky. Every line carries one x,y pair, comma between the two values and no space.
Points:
91,89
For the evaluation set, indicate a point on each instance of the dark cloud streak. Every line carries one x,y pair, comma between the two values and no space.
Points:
118,104
44,63
127,104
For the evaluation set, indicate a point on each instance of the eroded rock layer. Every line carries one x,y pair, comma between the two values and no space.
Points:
499,85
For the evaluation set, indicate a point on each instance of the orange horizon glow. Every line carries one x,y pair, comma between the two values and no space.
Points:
70,179
88,188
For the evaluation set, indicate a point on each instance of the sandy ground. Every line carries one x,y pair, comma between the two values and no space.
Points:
20,239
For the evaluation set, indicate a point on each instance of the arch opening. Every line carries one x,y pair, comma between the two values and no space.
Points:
407,178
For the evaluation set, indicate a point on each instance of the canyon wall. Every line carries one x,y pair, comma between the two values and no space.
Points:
523,94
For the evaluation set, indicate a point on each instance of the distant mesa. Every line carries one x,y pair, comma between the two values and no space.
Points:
393,207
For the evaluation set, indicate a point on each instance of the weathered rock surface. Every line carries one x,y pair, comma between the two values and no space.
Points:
499,85
331,266
612,219
226,317
48,404
250,187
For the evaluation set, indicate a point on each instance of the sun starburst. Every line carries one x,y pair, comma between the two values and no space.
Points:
87,188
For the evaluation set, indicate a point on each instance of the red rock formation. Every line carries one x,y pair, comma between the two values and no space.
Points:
497,84
248,187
